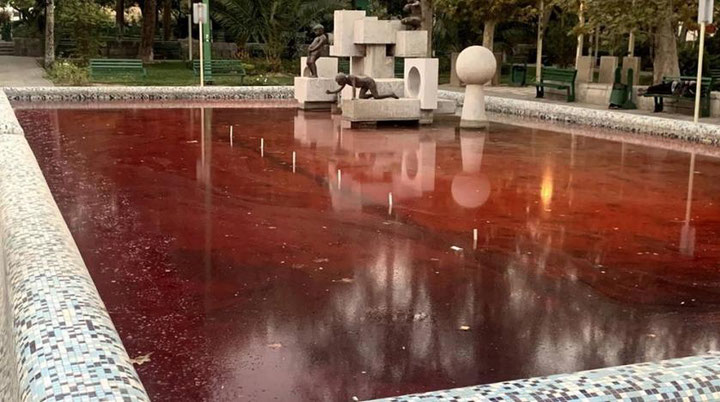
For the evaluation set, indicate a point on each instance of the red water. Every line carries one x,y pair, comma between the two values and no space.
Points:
245,281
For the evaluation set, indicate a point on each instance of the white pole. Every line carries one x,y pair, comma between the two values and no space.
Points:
699,72
231,136
202,62
190,8
294,160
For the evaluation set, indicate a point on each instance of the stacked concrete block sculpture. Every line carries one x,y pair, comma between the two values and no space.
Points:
372,45
476,66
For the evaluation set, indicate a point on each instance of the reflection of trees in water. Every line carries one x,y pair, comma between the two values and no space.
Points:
399,321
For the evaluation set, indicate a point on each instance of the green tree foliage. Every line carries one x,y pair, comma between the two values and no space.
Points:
83,21
458,13
272,22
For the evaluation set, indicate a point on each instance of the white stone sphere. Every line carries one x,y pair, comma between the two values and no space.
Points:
476,65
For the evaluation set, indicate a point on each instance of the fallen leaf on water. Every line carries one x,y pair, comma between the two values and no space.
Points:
275,345
191,142
464,328
318,260
345,280
140,360
456,248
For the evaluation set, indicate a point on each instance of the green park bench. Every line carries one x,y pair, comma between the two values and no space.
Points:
715,75
557,78
222,67
110,67
706,86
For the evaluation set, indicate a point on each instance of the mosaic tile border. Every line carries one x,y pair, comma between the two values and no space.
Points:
8,122
689,379
105,93
601,118
64,345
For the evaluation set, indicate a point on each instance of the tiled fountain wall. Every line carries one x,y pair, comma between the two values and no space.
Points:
56,338
57,341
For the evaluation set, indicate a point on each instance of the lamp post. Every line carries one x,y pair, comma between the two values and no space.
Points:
705,16
200,17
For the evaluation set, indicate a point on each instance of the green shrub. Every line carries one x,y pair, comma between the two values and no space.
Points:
67,73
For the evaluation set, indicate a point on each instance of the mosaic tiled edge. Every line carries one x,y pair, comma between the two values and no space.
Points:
615,120
146,93
8,122
691,379
65,347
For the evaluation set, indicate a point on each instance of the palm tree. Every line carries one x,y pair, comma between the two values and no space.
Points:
271,22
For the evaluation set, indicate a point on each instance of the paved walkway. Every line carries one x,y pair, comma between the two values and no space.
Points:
22,72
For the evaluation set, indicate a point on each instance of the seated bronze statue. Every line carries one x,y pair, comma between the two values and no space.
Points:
316,49
366,84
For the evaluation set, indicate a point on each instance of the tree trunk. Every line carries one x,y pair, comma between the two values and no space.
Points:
581,37
49,33
666,61
489,34
543,21
120,17
148,30
167,19
428,11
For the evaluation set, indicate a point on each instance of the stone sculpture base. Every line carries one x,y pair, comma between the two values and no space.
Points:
310,93
473,112
373,111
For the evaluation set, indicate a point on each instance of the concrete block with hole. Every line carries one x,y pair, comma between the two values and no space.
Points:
411,44
344,34
371,31
327,67
421,81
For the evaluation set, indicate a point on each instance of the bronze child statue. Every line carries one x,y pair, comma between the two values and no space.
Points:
414,21
316,49
366,84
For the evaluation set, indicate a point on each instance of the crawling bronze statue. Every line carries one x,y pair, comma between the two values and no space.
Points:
366,84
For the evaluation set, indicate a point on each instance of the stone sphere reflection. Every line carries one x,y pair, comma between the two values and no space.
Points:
476,65
470,190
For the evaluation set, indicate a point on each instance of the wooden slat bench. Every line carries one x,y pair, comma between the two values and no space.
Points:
557,78
221,67
706,86
109,67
